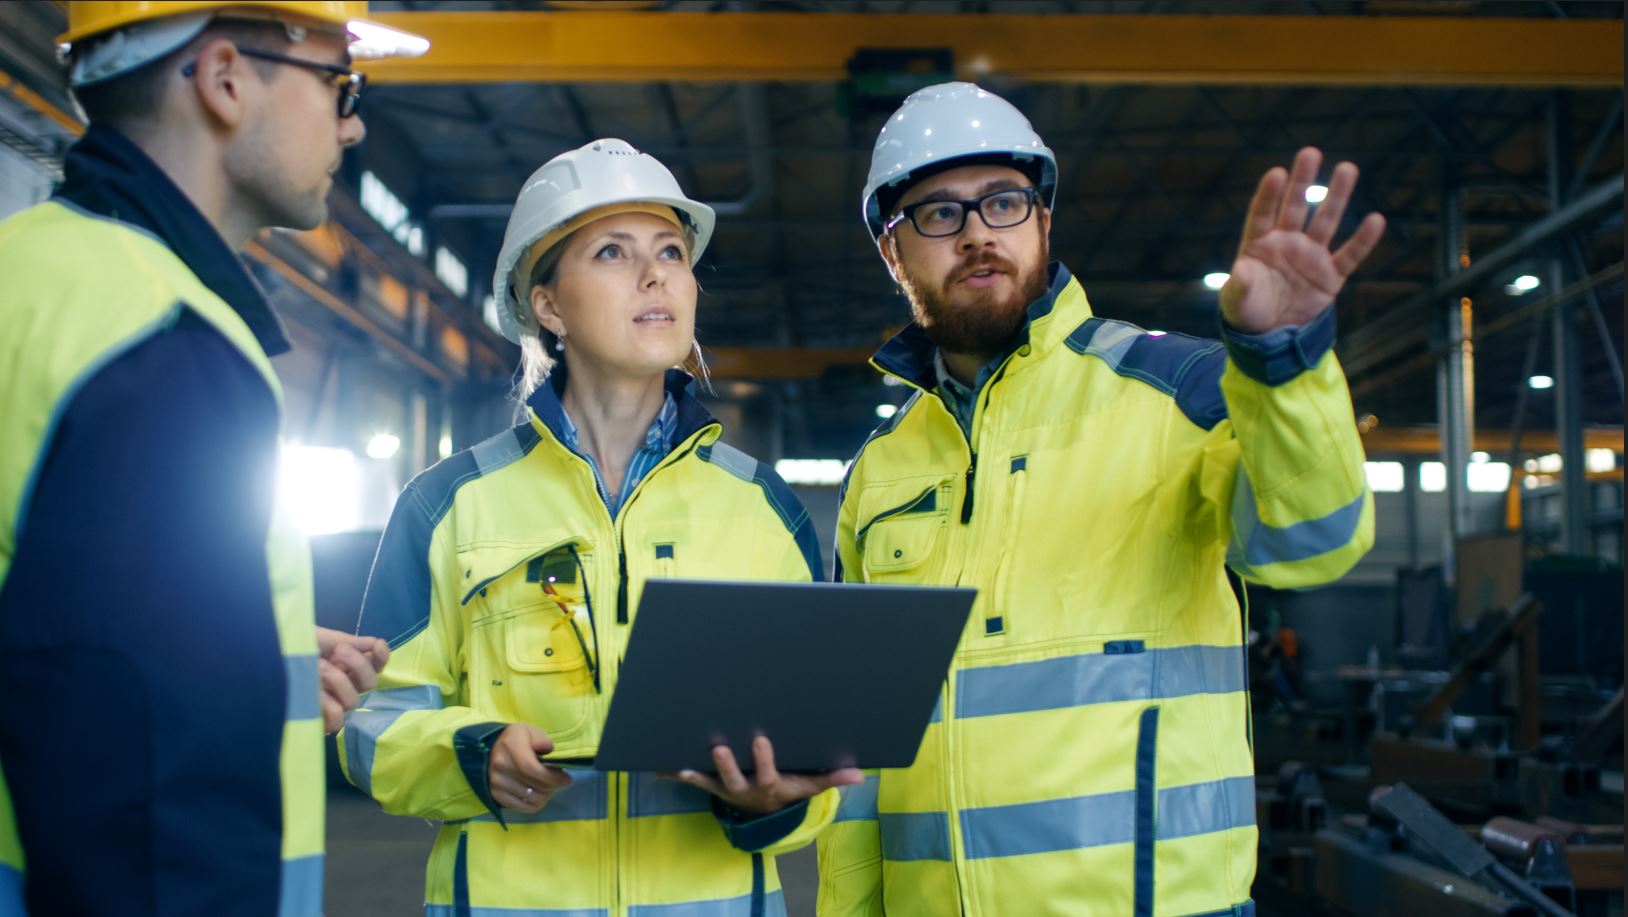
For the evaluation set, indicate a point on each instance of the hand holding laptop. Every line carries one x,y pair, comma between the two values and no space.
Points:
767,790
515,776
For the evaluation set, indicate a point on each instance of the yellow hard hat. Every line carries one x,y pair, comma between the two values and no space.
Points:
92,18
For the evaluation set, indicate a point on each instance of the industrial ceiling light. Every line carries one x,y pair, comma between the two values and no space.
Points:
1316,193
1216,280
1541,382
1525,283
373,40
383,445
885,410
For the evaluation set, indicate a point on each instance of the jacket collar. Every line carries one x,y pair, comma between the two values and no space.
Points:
909,354
106,175
545,403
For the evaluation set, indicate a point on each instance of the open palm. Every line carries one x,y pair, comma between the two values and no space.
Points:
1285,273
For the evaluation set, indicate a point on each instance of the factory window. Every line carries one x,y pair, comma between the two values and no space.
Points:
389,212
1480,477
488,312
1384,477
1488,477
817,472
1432,477
452,272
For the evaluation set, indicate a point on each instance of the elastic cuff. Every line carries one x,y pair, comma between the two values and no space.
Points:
473,746
1277,356
751,833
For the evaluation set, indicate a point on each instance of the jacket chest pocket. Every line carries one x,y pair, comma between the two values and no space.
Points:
899,539
533,656
664,567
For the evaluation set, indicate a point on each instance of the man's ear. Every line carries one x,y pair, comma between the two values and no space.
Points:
220,77
887,245
1045,222
542,308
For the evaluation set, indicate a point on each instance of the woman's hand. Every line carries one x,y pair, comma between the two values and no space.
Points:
515,777
768,790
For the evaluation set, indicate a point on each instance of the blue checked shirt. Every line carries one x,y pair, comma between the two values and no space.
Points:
960,399
658,441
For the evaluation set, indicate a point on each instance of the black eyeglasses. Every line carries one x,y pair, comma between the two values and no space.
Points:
348,82
998,209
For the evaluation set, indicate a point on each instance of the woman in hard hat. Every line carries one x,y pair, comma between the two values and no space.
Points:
509,574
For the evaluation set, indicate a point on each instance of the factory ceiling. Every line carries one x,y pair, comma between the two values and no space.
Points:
768,111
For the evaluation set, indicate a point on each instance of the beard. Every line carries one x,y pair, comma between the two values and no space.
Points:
979,322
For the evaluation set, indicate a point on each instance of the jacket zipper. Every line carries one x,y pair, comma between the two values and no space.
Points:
621,585
614,791
966,499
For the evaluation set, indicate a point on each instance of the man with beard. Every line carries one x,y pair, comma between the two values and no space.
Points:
1090,753
165,690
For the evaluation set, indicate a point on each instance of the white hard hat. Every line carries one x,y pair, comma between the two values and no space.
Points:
596,175
945,123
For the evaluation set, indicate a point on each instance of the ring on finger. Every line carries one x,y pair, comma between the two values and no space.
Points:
527,794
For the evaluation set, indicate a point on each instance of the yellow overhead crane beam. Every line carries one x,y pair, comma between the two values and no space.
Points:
624,46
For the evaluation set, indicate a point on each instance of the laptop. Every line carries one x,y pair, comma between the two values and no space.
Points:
835,674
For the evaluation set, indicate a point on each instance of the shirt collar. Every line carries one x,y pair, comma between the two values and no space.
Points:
107,175
688,414
658,437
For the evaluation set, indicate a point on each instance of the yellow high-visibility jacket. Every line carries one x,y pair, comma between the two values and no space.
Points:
477,645
82,290
1091,753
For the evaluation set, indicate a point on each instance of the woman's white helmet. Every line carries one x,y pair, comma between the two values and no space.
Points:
598,174
941,124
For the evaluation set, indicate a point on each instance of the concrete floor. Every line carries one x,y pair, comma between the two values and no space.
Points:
376,862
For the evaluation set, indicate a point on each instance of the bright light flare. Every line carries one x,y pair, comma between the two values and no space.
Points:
320,488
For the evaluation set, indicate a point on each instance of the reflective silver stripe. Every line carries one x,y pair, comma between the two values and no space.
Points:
1256,544
586,799
910,836
449,910
303,688
734,461
1098,678
497,451
859,802
774,905
1105,818
301,892
1057,824
11,892
938,710
377,711
649,795
1112,340
1204,808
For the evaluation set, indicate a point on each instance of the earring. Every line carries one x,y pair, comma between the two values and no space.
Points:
559,343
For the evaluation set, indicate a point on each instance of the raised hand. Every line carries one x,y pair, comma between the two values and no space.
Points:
1285,273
